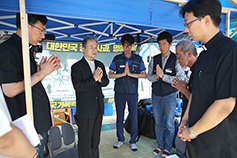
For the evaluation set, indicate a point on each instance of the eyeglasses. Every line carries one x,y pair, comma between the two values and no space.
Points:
128,46
42,31
187,24
178,57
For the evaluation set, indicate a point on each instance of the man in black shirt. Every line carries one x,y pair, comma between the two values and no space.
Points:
210,124
12,77
186,54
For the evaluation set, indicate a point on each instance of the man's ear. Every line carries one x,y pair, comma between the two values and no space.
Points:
29,26
189,54
207,19
171,44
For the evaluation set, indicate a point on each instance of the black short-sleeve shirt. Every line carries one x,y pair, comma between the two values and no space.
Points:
11,70
190,88
215,78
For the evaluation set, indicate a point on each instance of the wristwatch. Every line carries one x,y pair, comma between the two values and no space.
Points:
37,154
191,135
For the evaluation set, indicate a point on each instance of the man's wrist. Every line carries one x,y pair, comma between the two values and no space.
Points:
162,77
42,74
191,135
37,153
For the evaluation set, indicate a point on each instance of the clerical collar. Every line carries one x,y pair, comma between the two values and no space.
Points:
204,47
211,43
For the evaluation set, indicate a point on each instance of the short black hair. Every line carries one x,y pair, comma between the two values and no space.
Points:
201,8
92,38
129,38
32,19
165,35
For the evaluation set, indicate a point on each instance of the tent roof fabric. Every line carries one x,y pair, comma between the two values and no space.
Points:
106,20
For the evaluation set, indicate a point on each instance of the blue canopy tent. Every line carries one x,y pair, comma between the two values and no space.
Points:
74,20
231,13
106,20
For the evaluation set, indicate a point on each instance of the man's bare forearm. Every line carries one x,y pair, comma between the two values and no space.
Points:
13,89
15,144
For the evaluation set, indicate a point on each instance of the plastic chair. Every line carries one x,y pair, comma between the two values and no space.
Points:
57,149
68,135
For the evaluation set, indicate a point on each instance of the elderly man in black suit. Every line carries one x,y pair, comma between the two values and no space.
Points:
88,76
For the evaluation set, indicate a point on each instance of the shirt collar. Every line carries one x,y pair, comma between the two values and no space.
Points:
211,43
193,67
204,47
126,57
89,61
16,37
166,57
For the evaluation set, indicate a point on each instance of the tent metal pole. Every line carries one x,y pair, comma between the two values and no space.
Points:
234,2
227,28
147,70
233,33
104,31
26,58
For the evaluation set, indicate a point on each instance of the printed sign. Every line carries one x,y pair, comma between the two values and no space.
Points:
77,47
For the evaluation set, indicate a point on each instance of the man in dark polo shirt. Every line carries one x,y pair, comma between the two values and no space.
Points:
210,124
12,78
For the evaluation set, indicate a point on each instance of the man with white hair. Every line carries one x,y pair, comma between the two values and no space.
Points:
186,54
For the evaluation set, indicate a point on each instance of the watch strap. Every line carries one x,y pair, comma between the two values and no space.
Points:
191,135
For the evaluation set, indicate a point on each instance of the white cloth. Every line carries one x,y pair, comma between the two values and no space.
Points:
4,117
91,64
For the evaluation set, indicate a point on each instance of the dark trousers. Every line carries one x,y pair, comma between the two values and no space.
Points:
41,145
191,151
120,102
89,135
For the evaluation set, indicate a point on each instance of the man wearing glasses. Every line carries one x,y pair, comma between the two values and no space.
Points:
209,125
126,68
12,77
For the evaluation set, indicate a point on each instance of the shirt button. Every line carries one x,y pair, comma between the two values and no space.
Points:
96,97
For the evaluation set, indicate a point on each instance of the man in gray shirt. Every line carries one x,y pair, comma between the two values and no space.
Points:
162,69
